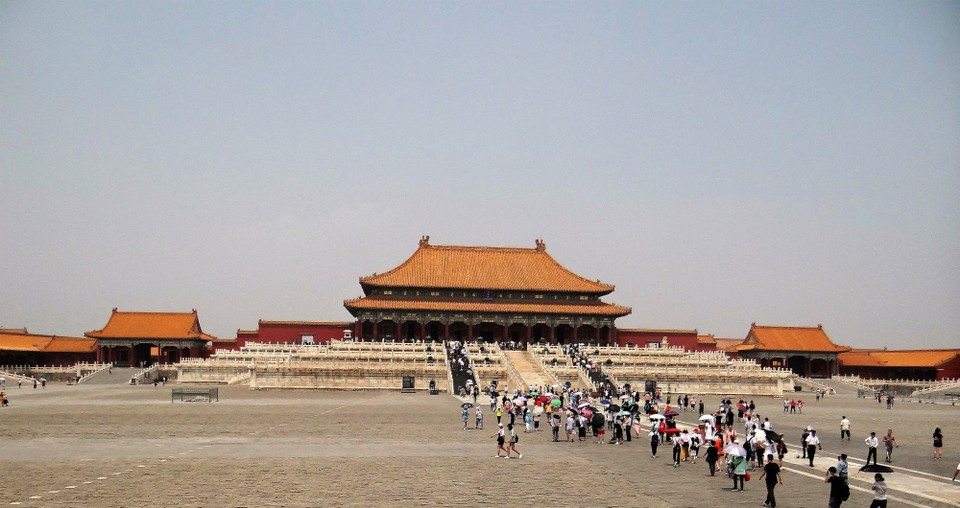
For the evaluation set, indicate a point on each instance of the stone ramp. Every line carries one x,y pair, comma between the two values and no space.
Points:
529,369
118,376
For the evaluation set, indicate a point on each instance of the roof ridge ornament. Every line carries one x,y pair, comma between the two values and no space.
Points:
425,241
541,245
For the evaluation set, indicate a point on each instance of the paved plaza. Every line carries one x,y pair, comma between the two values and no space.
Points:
116,445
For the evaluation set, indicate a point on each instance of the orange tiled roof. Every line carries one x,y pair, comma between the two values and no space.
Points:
71,345
496,306
45,343
729,345
23,342
706,339
788,338
494,268
906,358
151,325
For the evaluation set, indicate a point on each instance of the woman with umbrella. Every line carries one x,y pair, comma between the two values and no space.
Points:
464,416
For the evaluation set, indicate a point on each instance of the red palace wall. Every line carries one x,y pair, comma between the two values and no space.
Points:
290,332
687,339
949,370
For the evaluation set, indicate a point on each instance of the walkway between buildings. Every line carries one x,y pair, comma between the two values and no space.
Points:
114,376
529,369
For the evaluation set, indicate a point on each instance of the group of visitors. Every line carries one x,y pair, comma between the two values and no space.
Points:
760,446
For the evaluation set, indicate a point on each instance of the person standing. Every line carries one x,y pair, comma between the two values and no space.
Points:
844,428
803,441
888,443
813,442
479,422
937,444
843,467
464,416
872,443
879,492
555,426
837,488
771,471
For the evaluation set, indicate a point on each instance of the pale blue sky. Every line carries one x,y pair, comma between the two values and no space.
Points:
720,162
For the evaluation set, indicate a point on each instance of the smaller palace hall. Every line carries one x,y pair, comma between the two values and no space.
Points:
503,294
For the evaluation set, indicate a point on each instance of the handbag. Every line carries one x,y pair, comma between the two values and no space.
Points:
747,477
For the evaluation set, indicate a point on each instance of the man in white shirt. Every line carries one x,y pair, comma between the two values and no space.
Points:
844,428
813,442
872,443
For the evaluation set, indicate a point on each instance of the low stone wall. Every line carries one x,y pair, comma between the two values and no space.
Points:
351,377
719,385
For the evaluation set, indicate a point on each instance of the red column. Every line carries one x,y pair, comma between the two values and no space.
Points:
375,329
469,332
399,331
357,330
133,356
446,332
596,334
423,331
553,334
529,332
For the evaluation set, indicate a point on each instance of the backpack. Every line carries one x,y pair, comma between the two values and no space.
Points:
844,491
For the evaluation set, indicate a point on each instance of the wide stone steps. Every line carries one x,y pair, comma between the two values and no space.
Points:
529,369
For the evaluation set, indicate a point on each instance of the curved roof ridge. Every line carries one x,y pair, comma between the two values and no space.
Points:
482,267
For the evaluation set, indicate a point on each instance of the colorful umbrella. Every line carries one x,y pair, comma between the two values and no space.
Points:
670,413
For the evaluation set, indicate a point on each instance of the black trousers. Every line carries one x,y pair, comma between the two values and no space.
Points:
676,454
772,501
653,447
845,433
872,452
811,451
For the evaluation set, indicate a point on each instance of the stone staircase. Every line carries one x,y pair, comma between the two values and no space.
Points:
529,369
118,376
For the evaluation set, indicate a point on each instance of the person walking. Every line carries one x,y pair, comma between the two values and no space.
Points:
872,443
464,417
739,463
879,492
771,471
712,456
512,444
499,413
654,442
555,426
937,444
888,443
478,424
676,449
813,442
844,428
500,440
839,491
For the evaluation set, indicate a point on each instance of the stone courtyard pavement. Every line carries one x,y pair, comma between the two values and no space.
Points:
117,446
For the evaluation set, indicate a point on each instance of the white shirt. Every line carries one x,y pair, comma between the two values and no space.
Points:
844,424
813,440
872,442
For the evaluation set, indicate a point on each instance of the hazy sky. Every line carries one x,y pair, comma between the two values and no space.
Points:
788,163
